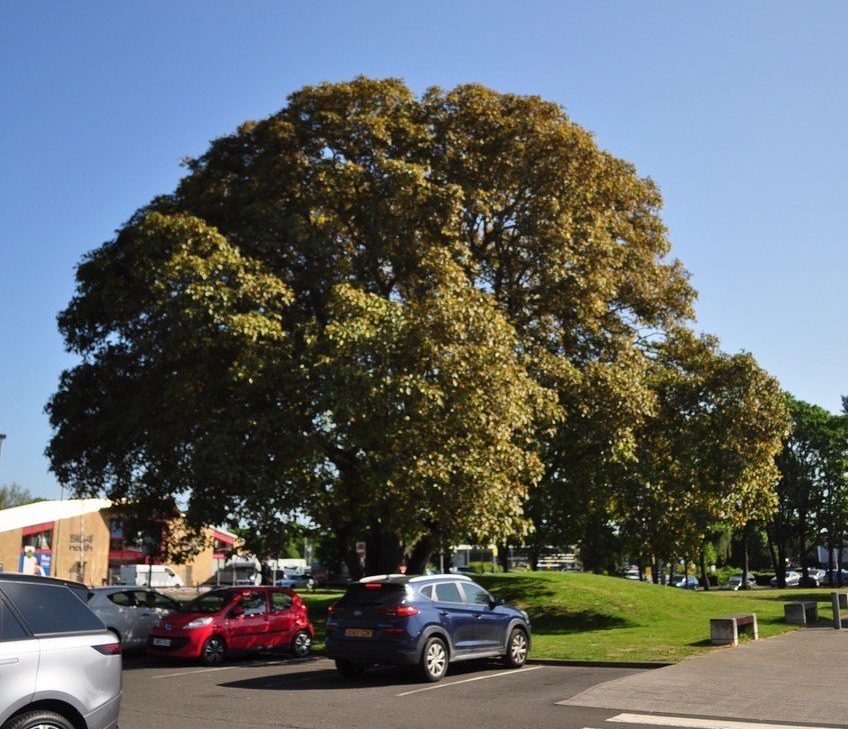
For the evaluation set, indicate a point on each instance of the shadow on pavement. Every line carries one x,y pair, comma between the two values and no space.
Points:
329,679
137,661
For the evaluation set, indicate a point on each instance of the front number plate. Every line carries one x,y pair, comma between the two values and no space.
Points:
164,642
358,633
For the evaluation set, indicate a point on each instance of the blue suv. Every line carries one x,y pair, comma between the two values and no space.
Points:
426,622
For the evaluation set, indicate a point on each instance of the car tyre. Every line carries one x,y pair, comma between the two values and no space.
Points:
39,720
301,644
348,669
516,649
433,664
213,651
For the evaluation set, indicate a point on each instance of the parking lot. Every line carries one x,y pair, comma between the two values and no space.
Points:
310,694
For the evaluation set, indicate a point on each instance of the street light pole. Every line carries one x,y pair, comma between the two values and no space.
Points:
2,438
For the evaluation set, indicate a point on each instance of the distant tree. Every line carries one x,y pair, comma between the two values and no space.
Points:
14,494
811,466
707,454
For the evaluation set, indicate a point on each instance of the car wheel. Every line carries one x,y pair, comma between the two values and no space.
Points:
434,660
301,644
213,651
39,720
516,649
349,669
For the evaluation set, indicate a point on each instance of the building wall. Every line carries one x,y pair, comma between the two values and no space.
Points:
82,538
201,568
86,538
10,549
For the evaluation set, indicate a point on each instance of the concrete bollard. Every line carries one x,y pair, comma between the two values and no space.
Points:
836,600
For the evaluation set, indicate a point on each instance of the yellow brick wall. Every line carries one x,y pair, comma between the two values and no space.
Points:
85,537
10,549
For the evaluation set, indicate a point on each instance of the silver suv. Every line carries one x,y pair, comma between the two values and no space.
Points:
59,667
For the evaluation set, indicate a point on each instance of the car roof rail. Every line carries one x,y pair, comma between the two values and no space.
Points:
384,578
446,575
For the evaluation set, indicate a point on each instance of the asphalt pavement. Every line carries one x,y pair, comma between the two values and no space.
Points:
794,681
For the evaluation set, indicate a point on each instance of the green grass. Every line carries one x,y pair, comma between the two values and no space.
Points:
578,616
317,603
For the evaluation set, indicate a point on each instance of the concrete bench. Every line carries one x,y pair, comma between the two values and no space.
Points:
725,631
801,613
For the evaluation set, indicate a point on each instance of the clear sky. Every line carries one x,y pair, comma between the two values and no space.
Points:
738,110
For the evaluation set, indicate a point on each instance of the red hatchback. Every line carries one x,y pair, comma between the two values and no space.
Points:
234,620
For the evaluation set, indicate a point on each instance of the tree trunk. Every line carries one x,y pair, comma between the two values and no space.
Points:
839,560
421,553
641,569
744,585
772,551
802,539
655,572
503,557
383,550
705,581
533,556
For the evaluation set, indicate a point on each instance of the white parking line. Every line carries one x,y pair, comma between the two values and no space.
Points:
685,722
196,670
469,680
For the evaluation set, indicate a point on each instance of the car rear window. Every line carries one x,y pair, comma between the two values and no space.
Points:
49,609
373,594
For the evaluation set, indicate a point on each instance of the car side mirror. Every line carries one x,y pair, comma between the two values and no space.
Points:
495,602
237,611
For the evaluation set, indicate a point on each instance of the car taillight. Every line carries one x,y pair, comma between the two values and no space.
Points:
401,611
108,649
373,586
331,609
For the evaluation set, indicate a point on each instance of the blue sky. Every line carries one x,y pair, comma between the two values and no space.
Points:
737,110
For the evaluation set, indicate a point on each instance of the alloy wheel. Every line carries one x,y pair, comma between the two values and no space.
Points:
301,644
436,659
518,647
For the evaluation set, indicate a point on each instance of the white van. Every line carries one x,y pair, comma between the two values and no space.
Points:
141,575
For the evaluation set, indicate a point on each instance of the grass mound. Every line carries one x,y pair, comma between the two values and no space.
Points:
577,616
581,616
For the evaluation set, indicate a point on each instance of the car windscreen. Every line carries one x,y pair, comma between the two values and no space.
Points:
211,602
373,594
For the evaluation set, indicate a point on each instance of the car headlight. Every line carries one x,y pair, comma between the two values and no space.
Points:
198,623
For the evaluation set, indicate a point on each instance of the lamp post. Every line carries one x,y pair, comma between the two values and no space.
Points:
2,438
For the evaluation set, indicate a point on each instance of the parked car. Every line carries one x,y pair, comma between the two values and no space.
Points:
815,577
149,575
234,620
130,612
792,579
829,579
59,666
686,583
735,582
294,582
427,622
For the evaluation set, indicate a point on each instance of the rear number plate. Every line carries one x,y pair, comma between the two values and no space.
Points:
164,642
358,633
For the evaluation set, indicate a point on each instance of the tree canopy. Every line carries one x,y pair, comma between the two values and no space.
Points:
409,319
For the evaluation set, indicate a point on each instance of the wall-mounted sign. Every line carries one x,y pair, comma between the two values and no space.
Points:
82,543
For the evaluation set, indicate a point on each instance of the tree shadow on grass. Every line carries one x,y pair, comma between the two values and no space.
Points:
546,617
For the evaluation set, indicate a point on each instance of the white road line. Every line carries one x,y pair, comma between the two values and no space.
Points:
469,680
682,722
196,670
